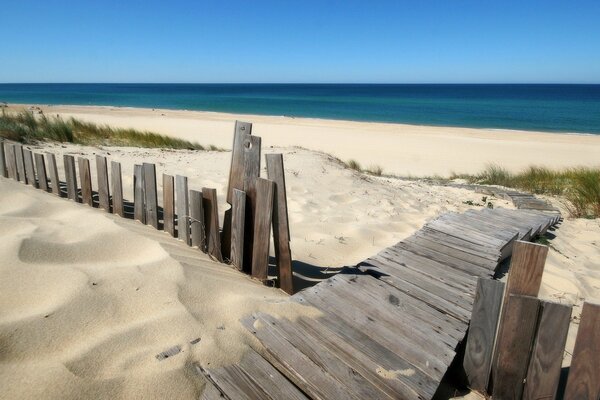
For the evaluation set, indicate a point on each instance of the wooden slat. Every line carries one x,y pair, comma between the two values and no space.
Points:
103,187
211,222
150,195
238,209
236,171
71,177
210,392
53,172
526,268
482,333
198,238
251,146
515,337
584,375
85,178
3,171
11,161
138,194
281,226
169,204
182,208
20,163
117,188
40,165
545,364
29,168
262,228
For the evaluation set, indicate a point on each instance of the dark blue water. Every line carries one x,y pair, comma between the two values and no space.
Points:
554,108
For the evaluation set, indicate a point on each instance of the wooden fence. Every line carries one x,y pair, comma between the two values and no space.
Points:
258,205
516,341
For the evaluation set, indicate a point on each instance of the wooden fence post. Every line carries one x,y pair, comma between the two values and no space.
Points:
211,223
238,211
545,364
103,188
138,194
182,207
150,195
583,382
117,188
85,179
262,228
197,220
53,170
71,177
3,171
20,163
41,172
29,168
515,337
482,332
281,227
169,204
251,145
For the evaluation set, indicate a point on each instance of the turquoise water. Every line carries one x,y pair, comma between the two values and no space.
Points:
553,108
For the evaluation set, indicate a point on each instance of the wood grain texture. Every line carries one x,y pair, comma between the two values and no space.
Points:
251,147
40,166
169,204
514,341
545,364
29,168
53,172
482,332
138,194
85,178
211,222
11,161
526,268
116,181
103,187
238,211
20,163
150,195
236,171
583,382
182,207
262,228
3,171
281,225
71,177
198,238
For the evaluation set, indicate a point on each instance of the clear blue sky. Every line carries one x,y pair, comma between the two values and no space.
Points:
300,41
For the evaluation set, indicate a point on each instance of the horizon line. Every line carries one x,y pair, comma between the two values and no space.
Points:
299,83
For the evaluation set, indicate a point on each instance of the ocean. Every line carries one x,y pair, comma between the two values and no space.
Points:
549,108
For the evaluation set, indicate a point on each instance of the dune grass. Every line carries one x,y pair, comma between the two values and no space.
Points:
25,127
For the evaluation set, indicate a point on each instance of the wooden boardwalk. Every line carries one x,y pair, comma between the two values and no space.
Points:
390,326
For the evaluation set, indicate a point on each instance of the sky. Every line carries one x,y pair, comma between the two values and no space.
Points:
285,41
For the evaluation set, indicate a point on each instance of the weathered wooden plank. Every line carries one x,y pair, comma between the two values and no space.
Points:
85,178
262,228
238,209
41,172
545,364
53,172
482,333
11,161
526,269
210,392
150,195
182,208
117,188
236,171
3,171
251,147
138,194
29,168
198,238
20,163
584,375
71,177
515,337
211,222
103,188
169,204
281,226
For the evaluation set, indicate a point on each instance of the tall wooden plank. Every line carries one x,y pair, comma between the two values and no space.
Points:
526,268
169,204
3,171
20,163
40,165
182,208
197,220
482,332
236,171
150,195
53,172
583,382
29,168
281,226
71,177
116,181
85,178
103,188
543,374
238,209
251,146
138,194
515,337
262,228
211,222
11,161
